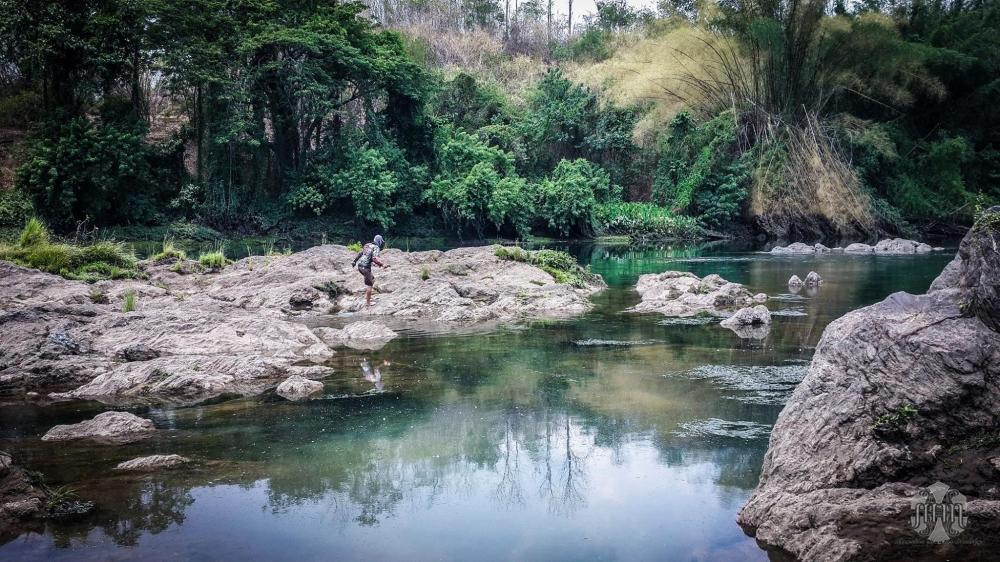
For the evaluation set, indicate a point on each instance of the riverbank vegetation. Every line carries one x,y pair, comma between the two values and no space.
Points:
103,259
796,119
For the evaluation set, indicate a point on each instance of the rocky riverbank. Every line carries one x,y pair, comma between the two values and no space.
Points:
185,334
899,395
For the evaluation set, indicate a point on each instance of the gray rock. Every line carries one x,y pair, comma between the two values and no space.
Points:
979,274
859,248
749,323
152,462
813,279
297,387
760,298
137,352
821,249
888,386
106,427
366,335
794,281
794,248
5,463
901,246
948,278
681,294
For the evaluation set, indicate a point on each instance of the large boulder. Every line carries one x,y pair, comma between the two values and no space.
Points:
859,248
682,294
106,427
899,395
152,463
297,387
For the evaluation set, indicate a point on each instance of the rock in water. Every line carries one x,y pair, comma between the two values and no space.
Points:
296,387
899,394
152,462
749,323
106,427
680,294
368,335
901,246
858,248
813,279
794,281
794,248
20,497
821,249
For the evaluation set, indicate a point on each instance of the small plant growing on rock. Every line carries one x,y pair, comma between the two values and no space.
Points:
128,305
425,273
354,246
168,252
215,259
97,296
895,421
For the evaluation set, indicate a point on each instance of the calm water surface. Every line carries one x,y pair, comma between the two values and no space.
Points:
607,437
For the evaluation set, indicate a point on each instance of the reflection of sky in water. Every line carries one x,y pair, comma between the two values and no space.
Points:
612,436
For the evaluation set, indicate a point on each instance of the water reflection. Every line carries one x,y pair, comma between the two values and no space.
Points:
563,440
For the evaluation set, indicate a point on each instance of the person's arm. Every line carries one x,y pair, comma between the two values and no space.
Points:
378,262
356,258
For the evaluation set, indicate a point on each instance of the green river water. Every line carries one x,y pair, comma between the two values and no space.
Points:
607,437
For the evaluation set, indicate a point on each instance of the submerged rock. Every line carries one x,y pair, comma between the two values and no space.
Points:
296,387
106,427
681,294
813,279
899,395
152,462
239,330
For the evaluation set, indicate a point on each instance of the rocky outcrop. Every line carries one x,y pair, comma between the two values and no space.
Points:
367,335
106,427
152,463
899,395
198,334
681,294
297,388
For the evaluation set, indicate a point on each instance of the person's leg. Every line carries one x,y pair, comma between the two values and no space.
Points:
368,296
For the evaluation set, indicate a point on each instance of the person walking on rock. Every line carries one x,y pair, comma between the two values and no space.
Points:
364,260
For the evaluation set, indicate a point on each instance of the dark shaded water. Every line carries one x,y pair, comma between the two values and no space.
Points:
610,436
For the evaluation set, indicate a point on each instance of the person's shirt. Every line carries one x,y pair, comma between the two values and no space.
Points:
368,255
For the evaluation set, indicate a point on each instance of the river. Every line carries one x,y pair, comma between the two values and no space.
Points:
609,436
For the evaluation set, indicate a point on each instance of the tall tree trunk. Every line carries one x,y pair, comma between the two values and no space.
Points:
569,26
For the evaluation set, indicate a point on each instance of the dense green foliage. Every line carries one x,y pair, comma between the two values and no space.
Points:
560,265
247,114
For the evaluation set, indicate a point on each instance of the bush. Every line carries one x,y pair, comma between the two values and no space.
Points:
567,200
560,265
102,260
20,109
15,208
644,221
213,260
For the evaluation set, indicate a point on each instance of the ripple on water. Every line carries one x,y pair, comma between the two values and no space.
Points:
714,427
789,312
612,343
787,297
689,321
754,384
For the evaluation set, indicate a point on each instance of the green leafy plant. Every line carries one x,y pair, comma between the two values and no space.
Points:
354,246
216,259
895,420
425,273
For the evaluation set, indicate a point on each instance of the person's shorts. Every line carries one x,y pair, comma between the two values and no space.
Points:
366,272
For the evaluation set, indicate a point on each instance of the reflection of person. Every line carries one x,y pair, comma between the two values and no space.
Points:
374,375
364,260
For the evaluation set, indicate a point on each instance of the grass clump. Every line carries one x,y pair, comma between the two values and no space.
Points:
560,265
425,273
104,259
215,259
895,420
169,252
128,303
644,221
